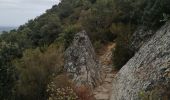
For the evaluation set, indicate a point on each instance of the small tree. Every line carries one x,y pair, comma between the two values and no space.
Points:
35,69
8,52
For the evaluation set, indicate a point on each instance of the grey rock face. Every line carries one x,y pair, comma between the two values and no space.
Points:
141,36
81,63
147,71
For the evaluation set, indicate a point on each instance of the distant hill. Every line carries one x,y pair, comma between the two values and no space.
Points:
6,28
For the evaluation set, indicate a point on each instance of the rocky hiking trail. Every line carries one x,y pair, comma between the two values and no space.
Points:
102,92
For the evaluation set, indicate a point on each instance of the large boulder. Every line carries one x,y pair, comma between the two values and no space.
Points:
147,74
141,36
81,63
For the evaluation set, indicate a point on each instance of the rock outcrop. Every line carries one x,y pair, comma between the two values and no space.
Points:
141,36
147,74
81,63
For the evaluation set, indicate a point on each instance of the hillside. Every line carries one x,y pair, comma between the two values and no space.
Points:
33,57
6,28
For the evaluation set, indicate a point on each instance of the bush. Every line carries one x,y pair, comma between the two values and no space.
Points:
61,89
35,69
8,52
97,21
97,45
65,93
67,36
153,12
157,93
122,52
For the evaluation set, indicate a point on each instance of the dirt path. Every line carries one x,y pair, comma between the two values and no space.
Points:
102,92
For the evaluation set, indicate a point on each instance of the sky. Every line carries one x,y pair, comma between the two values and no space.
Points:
18,12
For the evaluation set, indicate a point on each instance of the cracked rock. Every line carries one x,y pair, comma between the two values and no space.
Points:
81,62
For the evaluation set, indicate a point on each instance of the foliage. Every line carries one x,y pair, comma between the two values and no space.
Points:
166,17
97,45
8,52
61,89
131,14
38,32
35,69
158,93
153,12
104,21
122,52
67,36
97,21
66,93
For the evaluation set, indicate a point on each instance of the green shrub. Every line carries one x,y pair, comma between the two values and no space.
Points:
153,11
165,18
122,52
158,93
35,69
8,52
67,36
97,45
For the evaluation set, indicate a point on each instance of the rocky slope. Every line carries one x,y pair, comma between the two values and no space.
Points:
145,77
141,36
147,74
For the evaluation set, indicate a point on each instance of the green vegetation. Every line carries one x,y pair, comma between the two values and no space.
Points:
130,15
8,52
157,93
61,89
35,69
32,54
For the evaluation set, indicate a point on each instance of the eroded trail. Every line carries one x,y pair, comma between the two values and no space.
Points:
102,92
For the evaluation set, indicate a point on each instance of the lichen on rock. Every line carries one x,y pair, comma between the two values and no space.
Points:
147,70
81,63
